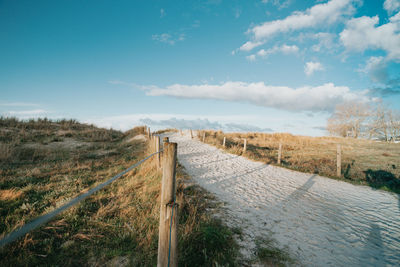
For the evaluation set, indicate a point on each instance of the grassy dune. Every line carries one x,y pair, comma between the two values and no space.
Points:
363,162
43,164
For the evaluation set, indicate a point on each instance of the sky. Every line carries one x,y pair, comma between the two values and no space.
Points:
238,65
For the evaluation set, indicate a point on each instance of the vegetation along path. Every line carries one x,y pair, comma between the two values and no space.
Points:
320,221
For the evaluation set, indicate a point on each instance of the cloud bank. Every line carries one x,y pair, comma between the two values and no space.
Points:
203,124
306,98
179,121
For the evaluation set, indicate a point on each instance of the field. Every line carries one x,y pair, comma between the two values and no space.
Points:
372,163
46,163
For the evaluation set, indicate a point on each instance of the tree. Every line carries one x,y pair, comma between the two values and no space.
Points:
394,124
349,119
385,123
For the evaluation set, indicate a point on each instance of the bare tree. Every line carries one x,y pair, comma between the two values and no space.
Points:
379,126
393,124
349,119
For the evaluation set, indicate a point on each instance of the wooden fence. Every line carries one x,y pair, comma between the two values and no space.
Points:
203,133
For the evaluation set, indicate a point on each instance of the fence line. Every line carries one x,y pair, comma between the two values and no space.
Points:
280,155
47,217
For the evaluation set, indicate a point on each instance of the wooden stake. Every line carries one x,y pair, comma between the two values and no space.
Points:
280,153
152,145
245,145
338,161
191,134
166,249
157,141
224,142
204,136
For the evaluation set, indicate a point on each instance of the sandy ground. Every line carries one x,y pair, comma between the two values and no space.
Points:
320,221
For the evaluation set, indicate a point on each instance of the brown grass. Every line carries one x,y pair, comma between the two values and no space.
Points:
118,223
10,194
363,161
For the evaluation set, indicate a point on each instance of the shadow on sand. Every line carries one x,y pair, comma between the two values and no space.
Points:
373,253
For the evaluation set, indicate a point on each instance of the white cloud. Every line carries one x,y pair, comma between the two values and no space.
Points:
181,121
18,104
391,5
168,38
306,98
279,3
320,14
201,124
251,58
26,114
361,34
311,67
250,45
285,49
325,40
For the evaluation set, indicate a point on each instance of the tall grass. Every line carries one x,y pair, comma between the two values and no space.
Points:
48,163
363,161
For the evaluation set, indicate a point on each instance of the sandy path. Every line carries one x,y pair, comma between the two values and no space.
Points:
322,221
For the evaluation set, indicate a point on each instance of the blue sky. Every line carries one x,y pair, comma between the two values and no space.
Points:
275,65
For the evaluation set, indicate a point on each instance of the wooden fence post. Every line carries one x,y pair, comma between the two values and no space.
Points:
157,141
191,134
204,136
152,144
148,132
245,145
338,161
224,142
167,238
280,153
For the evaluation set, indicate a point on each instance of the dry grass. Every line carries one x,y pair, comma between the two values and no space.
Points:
10,194
116,226
366,162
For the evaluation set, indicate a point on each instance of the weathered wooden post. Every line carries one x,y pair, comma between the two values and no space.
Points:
191,133
157,147
224,142
167,238
148,132
204,136
151,145
245,145
181,132
338,161
279,153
